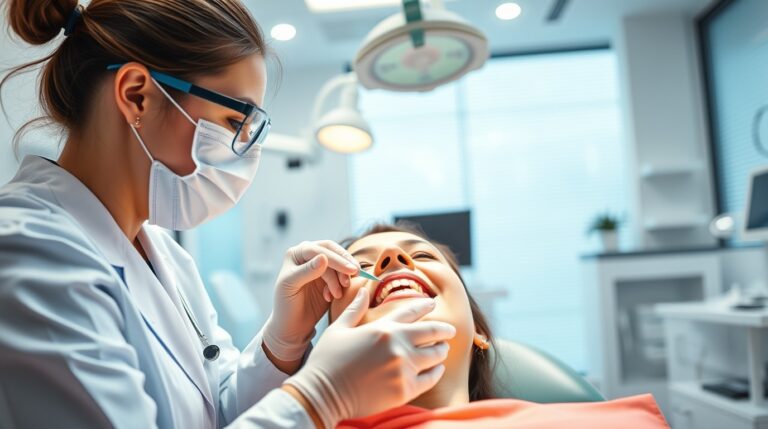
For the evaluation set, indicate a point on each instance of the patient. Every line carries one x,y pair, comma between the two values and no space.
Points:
412,266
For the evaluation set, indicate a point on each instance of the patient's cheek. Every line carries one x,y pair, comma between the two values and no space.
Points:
339,305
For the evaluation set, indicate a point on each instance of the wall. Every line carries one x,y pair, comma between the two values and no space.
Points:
19,97
664,117
747,267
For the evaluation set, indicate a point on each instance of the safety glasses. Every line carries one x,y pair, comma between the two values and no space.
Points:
251,130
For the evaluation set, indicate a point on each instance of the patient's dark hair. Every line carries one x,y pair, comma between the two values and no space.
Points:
480,369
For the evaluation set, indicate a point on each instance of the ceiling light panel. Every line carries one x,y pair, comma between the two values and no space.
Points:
326,6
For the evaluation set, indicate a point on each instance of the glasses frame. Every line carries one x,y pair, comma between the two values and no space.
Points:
247,109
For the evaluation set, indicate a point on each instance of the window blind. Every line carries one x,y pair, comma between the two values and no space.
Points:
738,70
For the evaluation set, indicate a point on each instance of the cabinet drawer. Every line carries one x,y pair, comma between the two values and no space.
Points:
689,413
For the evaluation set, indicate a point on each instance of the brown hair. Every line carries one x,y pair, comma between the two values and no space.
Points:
481,367
186,38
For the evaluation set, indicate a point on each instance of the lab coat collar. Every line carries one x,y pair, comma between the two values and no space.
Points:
156,306
66,191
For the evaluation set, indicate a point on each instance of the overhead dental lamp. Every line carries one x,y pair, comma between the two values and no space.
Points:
419,49
343,129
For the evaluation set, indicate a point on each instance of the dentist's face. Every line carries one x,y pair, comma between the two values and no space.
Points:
169,136
411,267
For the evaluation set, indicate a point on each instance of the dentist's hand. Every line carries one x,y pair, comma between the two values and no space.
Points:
358,371
311,274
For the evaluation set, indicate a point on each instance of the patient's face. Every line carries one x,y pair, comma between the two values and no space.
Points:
411,267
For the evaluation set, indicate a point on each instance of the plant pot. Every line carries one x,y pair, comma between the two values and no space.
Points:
610,240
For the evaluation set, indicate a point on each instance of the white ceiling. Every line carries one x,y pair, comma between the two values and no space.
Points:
333,38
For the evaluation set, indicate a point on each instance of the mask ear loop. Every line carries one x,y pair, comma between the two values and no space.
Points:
160,87
141,142
168,96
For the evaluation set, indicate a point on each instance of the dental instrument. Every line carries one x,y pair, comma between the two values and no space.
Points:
367,275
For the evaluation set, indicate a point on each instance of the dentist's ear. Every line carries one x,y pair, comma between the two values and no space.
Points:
133,90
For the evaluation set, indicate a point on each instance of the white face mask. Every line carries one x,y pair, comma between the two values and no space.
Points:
217,184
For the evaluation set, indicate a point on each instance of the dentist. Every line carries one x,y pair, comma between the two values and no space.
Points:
104,320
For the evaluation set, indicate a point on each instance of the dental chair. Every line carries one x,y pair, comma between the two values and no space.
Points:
523,372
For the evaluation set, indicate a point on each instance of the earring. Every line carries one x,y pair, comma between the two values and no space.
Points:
137,123
481,342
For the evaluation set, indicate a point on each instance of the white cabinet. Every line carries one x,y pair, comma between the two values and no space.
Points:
691,409
626,342
710,342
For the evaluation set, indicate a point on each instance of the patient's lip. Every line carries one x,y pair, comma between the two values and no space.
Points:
397,276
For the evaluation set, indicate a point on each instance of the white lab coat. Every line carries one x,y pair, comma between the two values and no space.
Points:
91,337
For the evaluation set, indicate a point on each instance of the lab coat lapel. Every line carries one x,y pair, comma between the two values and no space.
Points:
191,288
155,305
164,314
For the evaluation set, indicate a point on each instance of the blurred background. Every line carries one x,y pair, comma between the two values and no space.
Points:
577,172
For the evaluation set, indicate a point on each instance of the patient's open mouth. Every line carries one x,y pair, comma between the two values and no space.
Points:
400,286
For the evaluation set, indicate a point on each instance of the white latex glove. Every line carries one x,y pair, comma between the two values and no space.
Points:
356,371
312,273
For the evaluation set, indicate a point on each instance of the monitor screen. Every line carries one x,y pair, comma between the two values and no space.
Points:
757,218
451,229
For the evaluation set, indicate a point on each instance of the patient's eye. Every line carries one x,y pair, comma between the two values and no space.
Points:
422,255
365,265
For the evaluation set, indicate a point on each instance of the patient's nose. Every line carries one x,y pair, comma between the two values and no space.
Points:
392,259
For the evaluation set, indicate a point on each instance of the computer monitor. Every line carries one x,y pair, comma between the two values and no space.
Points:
451,229
756,212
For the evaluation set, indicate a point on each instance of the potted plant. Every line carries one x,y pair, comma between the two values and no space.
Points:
607,226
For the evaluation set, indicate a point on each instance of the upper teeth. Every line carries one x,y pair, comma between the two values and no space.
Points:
399,283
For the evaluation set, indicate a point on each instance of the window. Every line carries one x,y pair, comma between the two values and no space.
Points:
416,162
533,146
736,46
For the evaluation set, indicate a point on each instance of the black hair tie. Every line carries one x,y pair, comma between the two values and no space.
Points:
73,19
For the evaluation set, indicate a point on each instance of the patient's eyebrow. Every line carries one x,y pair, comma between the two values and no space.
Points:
408,242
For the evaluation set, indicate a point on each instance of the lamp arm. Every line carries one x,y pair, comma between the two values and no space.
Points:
327,89
349,95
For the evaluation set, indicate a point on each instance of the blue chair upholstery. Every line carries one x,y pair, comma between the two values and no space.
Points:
523,372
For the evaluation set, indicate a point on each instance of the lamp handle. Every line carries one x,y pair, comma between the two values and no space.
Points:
412,12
